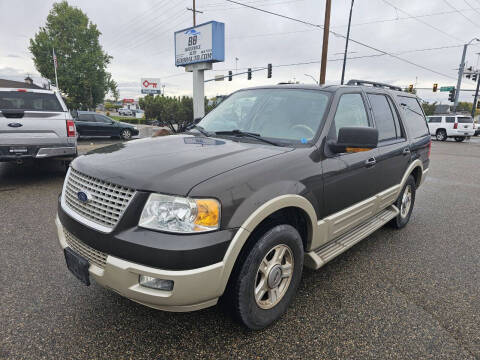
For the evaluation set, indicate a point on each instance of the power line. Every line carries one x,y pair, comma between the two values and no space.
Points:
471,7
456,10
127,27
420,20
343,36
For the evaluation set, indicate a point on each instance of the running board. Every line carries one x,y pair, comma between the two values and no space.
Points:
317,258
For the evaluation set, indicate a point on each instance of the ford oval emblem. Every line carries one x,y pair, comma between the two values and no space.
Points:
83,196
15,125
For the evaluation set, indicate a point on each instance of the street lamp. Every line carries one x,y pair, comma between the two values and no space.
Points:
316,82
460,72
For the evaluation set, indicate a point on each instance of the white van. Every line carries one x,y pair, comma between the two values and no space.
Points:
450,125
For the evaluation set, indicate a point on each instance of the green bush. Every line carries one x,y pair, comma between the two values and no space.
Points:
130,120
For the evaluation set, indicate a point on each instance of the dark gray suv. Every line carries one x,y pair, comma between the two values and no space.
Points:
274,179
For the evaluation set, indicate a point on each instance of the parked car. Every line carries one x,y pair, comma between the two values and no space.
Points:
35,124
237,205
444,126
125,112
476,127
90,124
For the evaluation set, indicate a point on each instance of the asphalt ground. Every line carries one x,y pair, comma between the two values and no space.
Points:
408,294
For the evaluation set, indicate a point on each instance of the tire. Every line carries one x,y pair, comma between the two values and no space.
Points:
126,134
278,290
459,138
403,217
441,135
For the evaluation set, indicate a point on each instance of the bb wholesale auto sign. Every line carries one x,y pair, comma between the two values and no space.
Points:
204,43
150,85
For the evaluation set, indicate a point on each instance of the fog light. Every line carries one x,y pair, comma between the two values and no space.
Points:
155,283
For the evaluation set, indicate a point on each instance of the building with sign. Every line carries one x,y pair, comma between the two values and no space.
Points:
150,86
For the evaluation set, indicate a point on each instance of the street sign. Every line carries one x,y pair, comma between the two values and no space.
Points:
204,43
447,88
150,85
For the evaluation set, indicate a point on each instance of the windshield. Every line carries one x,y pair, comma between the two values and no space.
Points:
19,100
291,115
464,120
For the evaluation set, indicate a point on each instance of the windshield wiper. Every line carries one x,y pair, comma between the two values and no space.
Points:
238,132
201,130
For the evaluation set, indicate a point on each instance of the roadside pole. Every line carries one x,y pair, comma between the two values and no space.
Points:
460,73
474,106
346,44
326,32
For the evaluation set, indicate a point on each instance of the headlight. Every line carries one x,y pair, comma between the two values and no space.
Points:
180,215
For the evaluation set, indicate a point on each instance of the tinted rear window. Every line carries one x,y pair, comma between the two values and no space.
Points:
465,120
30,101
414,118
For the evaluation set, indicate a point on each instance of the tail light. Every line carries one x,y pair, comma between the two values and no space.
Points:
429,148
70,128
455,126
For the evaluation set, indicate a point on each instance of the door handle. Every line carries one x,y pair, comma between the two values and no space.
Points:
406,151
370,162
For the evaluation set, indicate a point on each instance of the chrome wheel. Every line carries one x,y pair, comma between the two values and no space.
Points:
274,276
406,201
126,134
441,135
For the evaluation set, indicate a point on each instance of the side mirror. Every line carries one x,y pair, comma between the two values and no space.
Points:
354,139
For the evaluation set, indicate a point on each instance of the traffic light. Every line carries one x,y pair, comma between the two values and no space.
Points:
249,77
435,86
269,71
410,88
474,77
229,76
451,95
468,75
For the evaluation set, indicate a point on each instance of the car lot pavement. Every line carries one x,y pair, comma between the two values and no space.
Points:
405,294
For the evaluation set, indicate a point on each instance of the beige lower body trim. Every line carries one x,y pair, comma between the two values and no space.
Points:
193,289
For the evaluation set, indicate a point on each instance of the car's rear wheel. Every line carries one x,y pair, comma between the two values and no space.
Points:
268,277
441,135
459,138
126,134
405,203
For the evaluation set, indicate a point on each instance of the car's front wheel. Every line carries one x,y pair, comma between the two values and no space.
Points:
126,134
268,277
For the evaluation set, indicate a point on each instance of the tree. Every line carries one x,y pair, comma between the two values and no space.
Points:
82,63
429,108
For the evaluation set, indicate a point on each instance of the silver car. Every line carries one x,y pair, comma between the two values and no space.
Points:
35,124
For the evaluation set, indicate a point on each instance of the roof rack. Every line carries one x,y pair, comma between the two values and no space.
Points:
374,84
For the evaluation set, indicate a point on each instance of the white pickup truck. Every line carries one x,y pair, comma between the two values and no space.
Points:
458,127
35,124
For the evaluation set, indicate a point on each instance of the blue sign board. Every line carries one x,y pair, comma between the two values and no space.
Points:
204,43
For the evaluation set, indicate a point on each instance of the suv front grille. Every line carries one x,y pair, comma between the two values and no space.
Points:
93,256
107,201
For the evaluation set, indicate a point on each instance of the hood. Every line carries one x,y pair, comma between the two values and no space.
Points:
170,164
127,124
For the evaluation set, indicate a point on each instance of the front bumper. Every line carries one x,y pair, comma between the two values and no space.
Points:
193,289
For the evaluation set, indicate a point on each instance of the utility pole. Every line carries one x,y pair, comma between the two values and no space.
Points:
474,105
460,72
346,43
194,12
326,32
